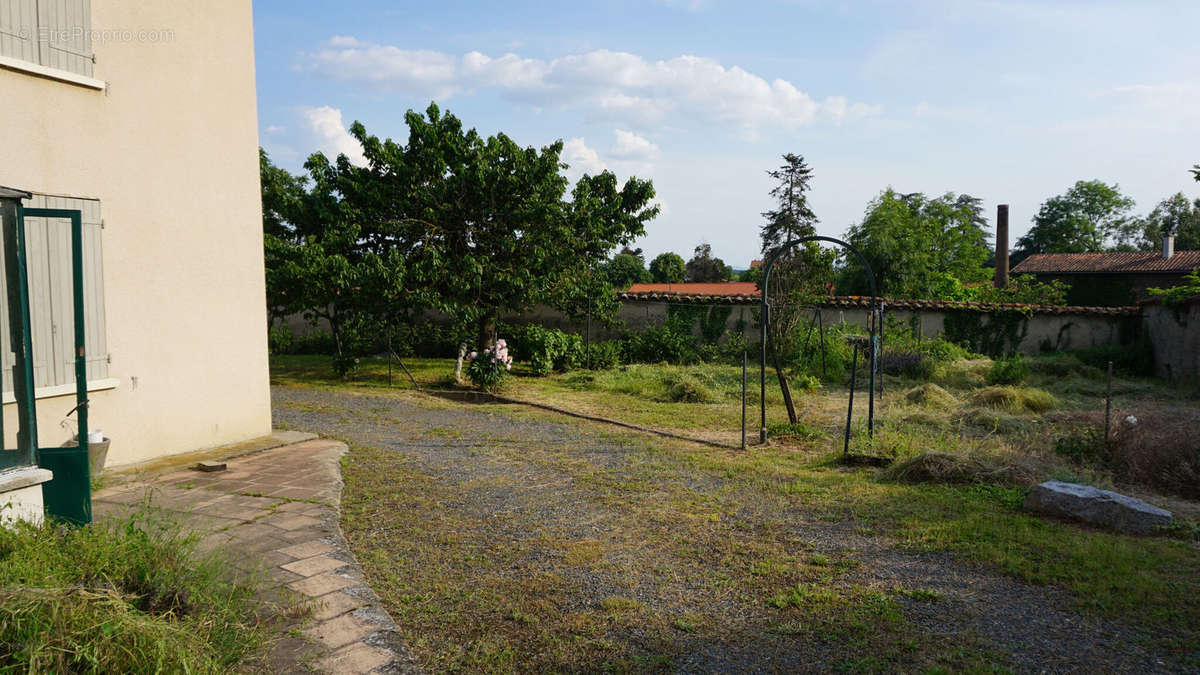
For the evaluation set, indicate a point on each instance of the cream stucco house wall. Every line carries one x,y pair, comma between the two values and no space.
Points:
156,141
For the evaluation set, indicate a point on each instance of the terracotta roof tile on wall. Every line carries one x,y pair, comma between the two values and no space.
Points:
864,302
1108,263
721,288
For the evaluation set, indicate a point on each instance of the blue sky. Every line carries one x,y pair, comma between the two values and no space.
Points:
1009,101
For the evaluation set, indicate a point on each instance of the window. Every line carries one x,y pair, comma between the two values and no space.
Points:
51,305
51,33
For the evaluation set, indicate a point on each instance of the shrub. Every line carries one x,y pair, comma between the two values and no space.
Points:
345,364
313,343
279,340
125,596
1016,399
487,369
1010,370
432,340
549,349
1083,446
908,363
665,343
605,355
931,396
728,352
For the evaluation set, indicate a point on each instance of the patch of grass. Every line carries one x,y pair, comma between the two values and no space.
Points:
918,594
1008,371
1015,399
688,388
997,422
945,467
129,596
931,396
799,430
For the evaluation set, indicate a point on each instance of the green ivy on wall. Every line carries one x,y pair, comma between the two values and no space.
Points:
996,334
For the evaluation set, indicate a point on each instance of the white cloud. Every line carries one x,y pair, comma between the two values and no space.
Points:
581,159
275,129
608,84
630,146
330,135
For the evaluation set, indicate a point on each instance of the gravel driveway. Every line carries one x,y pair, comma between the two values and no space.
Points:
501,539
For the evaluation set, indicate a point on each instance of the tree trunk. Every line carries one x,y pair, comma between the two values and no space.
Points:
458,365
487,332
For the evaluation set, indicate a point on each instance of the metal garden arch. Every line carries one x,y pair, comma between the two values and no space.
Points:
764,321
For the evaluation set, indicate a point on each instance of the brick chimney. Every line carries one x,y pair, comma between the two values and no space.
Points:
1168,245
1001,278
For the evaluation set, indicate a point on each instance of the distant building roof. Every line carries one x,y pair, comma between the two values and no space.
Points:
721,288
1108,263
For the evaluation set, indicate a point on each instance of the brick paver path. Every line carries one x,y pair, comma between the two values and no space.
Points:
278,510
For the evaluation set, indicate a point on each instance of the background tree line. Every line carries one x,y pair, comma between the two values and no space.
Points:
938,247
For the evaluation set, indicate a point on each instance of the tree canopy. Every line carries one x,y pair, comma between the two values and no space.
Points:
470,225
668,268
704,267
1090,217
792,217
627,268
1174,215
916,246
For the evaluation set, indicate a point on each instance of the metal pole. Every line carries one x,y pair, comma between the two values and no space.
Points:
743,399
850,408
871,370
1108,407
762,366
389,361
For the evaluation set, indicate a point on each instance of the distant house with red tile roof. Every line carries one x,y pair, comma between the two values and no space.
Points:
1111,279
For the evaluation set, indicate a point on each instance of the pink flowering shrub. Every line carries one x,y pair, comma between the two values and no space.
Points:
486,370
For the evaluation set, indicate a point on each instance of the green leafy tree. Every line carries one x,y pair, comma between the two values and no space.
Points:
1090,217
1196,172
918,247
668,268
1173,215
704,267
486,224
321,260
627,268
792,218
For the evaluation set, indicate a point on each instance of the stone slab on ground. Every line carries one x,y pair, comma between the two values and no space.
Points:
278,511
1097,507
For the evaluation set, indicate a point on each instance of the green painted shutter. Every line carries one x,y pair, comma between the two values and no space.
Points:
50,296
65,35
18,29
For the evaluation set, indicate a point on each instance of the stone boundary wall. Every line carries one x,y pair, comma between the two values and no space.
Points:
1032,332
1175,334
993,329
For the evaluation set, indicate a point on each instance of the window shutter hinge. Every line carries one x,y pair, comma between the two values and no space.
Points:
108,358
102,223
